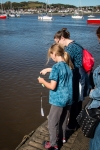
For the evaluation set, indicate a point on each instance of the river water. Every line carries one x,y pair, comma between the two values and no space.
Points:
24,43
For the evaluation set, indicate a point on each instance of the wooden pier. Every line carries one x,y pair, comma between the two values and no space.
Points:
34,141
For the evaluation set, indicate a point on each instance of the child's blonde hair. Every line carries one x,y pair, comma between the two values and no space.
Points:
59,51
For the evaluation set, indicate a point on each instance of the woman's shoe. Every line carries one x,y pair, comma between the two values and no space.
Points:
64,140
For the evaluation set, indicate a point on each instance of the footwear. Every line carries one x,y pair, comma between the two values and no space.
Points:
48,146
64,140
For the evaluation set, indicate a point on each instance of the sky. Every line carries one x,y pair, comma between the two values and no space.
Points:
70,2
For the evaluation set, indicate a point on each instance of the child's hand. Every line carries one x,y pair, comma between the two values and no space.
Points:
40,80
43,72
46,70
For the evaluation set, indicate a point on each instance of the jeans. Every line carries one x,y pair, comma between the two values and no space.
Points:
95,142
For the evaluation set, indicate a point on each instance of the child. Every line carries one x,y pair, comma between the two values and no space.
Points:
60,96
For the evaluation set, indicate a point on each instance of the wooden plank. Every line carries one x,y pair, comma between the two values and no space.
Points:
64,148
71,140
37,145
38,140
43,129
28,148
67,145
41,136
41,133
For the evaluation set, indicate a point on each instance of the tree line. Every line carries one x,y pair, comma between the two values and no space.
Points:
34,5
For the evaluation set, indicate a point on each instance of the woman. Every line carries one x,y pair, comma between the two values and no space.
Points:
95,95
79,75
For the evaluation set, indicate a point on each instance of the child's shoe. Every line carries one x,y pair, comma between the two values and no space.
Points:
48,146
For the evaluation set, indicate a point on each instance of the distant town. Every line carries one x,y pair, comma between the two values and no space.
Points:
39,7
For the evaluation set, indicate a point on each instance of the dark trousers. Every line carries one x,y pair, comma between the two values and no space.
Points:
79,75
75,109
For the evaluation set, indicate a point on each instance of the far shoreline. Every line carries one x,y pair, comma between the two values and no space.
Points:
57,14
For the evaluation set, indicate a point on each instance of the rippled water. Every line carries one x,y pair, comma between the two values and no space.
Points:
24,43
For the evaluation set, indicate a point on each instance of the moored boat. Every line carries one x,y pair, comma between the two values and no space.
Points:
12,15
45,17
17,15
76,16
93,21
62,15
91,16
3,16
48,18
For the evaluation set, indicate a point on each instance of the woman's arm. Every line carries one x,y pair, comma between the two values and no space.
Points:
44,71
50,85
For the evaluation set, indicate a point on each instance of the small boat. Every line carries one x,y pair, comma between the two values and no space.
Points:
17,15
3,16
77,16
91,16
62,15
45,17
12,15
93,21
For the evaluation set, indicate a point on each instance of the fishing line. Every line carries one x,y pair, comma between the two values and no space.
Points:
42,112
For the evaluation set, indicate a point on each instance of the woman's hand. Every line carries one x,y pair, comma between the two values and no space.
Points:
44,71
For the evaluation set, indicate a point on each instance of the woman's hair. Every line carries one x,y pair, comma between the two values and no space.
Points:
62,33
59,51
98,32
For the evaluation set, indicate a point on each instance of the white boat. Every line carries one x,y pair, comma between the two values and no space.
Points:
77,16
91,16
17,15
12,15
45,17
78,13
40,17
